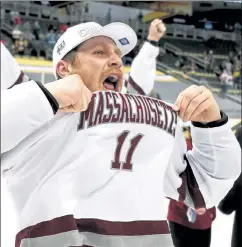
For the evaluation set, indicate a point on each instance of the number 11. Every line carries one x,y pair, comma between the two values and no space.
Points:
127,165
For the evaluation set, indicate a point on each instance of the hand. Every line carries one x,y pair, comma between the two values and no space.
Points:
157,30
196,103
71,93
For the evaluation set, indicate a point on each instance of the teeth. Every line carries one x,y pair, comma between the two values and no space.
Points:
113,78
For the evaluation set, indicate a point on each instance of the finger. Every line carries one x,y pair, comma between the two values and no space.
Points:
200,109
67,109
188,96
201,211
194,104
155,22
185,92
179,99
161,27
177,104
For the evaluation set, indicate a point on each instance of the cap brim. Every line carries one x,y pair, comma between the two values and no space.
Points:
122,34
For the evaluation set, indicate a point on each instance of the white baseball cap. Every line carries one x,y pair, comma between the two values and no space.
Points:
122,34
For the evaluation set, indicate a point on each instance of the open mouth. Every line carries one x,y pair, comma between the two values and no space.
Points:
111,82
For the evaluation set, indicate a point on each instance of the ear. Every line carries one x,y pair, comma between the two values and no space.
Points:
63,69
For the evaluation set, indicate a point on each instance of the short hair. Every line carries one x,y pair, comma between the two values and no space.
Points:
70,57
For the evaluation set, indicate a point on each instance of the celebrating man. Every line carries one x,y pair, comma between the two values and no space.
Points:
98,177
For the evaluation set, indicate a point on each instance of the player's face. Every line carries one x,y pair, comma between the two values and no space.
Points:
99,64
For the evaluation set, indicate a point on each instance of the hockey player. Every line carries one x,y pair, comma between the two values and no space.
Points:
98,177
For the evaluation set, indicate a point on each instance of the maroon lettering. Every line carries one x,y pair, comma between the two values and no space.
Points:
109,106
173,122
115,118
132,115
140,115
116,164
87,115
159,123
125,110
165,117
147,110
128,165
154,118
99,113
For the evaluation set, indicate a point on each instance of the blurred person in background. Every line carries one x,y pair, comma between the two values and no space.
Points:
237,73
180,62
17,20
36,29
20,45
12,17
16,33
188,228
209,60
208,25
226,80
237,27
109,16
190,67
63,28
51,37
232,202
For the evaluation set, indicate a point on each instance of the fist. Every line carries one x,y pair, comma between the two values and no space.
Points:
157,30
71,93
196,103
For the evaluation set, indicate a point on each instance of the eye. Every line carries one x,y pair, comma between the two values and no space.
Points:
98,52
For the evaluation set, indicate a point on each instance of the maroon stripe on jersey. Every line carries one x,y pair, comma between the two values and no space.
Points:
182,189
19,80
193,188
132,228
47,228
189,181
135,86
68,223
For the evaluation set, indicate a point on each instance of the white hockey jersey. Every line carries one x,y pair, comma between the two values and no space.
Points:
98,178
11,73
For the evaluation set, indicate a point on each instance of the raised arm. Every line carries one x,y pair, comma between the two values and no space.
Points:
143,69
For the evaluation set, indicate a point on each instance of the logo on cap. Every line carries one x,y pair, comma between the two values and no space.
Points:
87,31
60,47
124,41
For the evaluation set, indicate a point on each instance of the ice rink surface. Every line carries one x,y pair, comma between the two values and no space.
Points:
221,229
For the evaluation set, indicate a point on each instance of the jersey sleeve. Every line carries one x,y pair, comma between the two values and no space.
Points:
23,109
11,73
143,70
201,177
